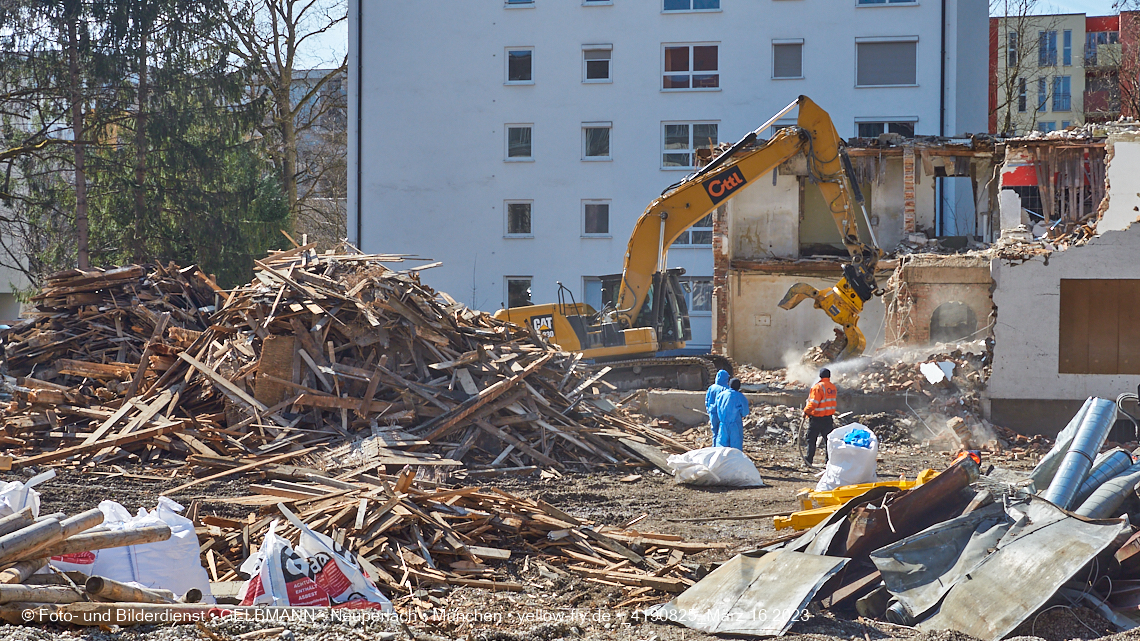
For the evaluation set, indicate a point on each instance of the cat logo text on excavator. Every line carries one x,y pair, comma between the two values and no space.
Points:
724,185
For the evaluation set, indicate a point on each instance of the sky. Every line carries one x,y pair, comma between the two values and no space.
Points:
1090,7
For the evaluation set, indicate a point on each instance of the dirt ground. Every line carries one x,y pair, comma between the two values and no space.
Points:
555,606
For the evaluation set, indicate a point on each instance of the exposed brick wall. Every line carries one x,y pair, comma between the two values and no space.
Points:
908,190
929,286
721,262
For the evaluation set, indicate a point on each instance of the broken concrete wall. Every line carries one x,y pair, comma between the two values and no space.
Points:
765,219
1027,390
949,293
1123,182
762,334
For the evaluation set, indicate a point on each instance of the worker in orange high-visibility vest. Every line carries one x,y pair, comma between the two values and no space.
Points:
820,410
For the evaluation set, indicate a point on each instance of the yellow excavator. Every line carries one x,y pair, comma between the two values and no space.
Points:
644,310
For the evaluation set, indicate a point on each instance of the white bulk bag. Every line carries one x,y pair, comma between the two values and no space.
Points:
848,464
715,466
173,564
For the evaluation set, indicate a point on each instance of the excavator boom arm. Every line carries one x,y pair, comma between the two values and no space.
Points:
680,207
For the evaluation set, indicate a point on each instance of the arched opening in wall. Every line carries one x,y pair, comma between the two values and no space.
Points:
952,322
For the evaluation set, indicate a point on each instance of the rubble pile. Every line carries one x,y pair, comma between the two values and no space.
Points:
408,535
322,350
774,422
754,379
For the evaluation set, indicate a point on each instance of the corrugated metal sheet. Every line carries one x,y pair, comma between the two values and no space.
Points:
757,594
1044,548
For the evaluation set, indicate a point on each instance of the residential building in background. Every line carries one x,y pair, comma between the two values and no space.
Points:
522,140
1048,72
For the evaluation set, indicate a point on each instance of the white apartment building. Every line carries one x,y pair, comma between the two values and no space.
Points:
518,141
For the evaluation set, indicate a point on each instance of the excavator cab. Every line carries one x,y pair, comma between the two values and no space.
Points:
665,309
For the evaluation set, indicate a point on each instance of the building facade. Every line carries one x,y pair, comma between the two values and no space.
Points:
518,142
1048,72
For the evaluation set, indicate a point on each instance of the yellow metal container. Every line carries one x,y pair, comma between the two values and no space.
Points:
817,506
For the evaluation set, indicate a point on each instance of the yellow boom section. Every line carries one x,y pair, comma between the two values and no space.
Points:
670,215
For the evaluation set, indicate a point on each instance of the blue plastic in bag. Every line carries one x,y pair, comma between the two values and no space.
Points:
858,438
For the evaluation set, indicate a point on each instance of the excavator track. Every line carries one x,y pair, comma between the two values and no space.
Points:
669,372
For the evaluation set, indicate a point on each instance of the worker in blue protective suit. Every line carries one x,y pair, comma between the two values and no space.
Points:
721,384
731,408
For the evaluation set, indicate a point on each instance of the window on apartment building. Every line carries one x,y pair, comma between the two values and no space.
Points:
596,140
518,291
1095,38
1062,100
1067,48
515,3
520,66
596,218
698,295
1099,329
1065,124
596,63
787,58
691,67
519,218
1022,95
518,142
1011,49
873,129
692,5
885,64
1100,82
680,141
887,1
1047,126
700,234
1047,48
1042,94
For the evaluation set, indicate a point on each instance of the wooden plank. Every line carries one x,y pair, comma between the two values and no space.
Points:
276,361
1104,326
144,360
443,424
1073,352
239,469
519,443
229,389
1129,341
114,441
338,402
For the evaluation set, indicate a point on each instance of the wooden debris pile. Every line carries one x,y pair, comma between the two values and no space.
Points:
329,359
407,535
94,342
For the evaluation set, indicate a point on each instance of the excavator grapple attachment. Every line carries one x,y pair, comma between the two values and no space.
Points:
842,304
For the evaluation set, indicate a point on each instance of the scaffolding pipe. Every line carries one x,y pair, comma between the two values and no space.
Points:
1046,468
1078,461
1106,466
1108,497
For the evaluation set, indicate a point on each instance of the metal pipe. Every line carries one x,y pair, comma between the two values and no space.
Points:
1106,466
1046,468
1078,461
1109,496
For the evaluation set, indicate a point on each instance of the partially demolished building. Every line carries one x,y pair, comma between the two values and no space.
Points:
1043,269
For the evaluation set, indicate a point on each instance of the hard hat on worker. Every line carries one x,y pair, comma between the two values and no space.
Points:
825,373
